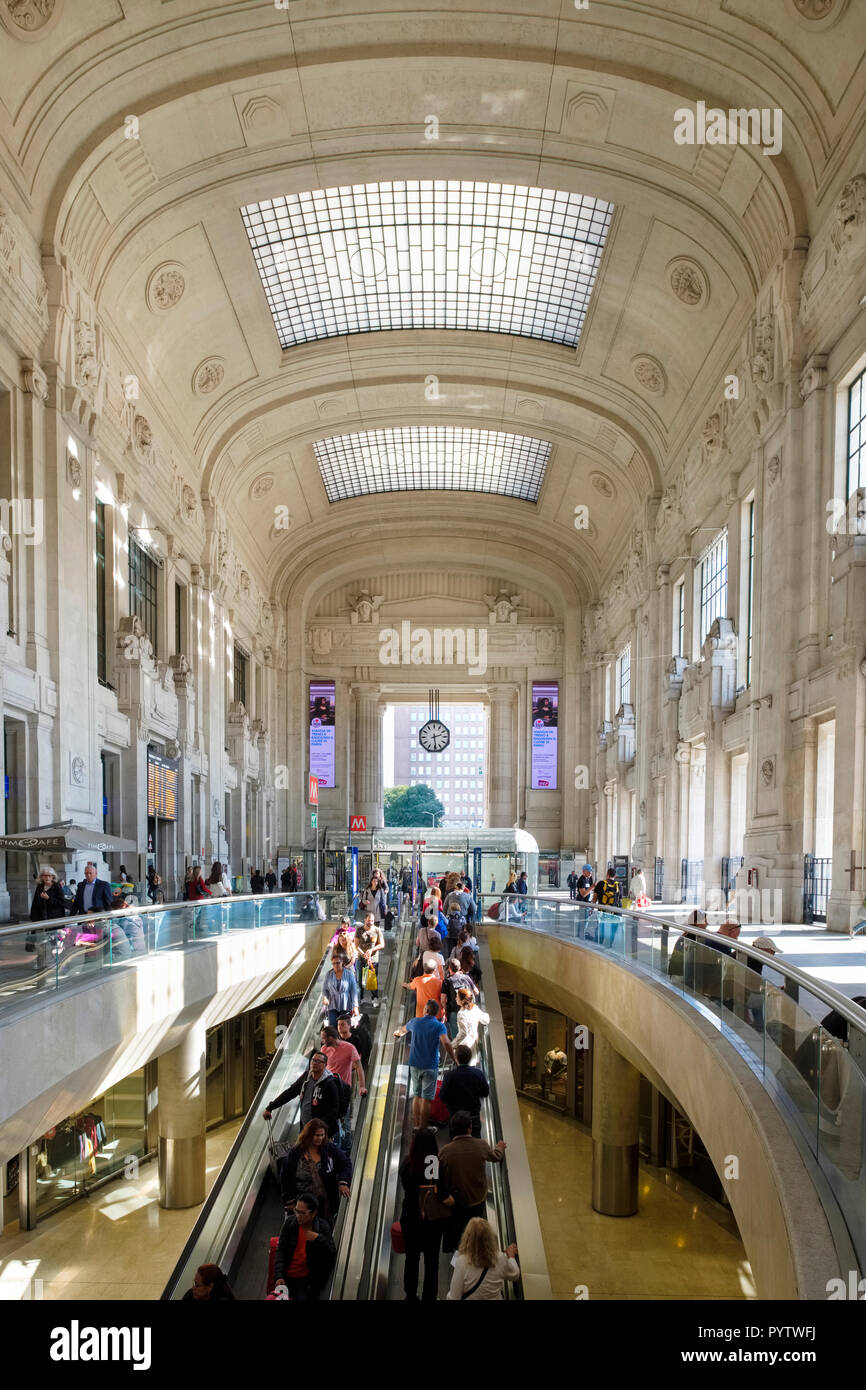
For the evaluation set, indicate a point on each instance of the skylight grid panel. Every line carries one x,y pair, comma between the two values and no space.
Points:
426,458
514,236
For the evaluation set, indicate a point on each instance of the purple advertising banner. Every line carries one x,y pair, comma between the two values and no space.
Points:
545,719
322,731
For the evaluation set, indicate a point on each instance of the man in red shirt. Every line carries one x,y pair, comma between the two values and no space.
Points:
425,987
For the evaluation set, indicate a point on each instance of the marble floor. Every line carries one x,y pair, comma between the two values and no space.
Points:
116,1242
679,1246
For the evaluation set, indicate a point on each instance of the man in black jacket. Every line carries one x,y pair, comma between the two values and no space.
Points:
319,1092
359,1037
92,894
464,1088
306,1253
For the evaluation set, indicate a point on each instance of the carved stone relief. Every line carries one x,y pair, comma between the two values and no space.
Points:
165,288
650,374
207,376
28,18
689,282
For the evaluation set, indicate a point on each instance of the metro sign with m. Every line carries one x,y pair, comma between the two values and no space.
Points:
314,790
357,822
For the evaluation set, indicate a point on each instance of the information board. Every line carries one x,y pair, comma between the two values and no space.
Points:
322,731
162,787
545,718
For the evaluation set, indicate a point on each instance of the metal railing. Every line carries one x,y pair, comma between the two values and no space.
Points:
817,881
41,958
816,1079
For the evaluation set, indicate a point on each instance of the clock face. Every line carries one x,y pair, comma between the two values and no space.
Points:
434,736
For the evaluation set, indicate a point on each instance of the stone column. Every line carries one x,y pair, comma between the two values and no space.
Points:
368,796
615,1117
182,1121
500,757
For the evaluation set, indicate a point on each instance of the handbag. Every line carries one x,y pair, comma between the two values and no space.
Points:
371,979
431,1206
398,1241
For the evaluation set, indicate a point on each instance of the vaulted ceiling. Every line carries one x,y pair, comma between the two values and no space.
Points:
138,132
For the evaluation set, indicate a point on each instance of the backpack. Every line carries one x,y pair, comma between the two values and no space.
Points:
609,893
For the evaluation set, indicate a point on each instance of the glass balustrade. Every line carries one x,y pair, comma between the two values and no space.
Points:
775,1023
39,959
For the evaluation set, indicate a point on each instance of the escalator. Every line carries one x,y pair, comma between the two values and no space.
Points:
371,1269
244,1209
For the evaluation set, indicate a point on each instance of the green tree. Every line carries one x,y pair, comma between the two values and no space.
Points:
412,806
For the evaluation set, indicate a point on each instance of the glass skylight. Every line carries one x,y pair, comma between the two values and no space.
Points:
432,458
428,254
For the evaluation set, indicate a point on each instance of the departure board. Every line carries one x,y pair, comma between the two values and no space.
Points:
162,787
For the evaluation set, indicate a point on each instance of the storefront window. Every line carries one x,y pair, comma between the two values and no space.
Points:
545,1054
92,1145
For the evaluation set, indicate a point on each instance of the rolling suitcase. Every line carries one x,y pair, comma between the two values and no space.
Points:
438,1112
272,1255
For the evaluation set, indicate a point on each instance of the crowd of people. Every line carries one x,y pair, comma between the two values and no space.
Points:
444,1190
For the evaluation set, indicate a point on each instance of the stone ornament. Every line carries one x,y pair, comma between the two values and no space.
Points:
142,434
86,358
768,770
207,376
762,356
78,771
7,241
261,486
502,607
34,379
165,288
849,214
365,606
602,485
28,19
689,282
816,11
73,471
188,503
650,374
774,469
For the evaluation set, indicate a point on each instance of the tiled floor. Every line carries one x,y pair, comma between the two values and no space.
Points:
116,1243
677,1247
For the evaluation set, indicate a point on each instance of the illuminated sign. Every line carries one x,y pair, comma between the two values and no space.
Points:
162,787
322,731
545,719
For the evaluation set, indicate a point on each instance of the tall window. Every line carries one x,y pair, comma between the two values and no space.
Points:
751,592
714,584
100,593
679,618
241,665
856,435
179,615
623,677
142,590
